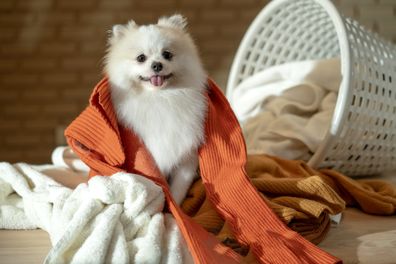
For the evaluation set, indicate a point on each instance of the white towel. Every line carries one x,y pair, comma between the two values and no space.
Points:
286,110
115,219
65,157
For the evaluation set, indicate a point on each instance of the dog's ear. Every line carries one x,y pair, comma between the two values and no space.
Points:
131,24
119,30
175,21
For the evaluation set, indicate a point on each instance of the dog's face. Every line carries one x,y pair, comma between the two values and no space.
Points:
153,57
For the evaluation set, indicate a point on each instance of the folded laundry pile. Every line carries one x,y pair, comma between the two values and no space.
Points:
286,110
302,197
120,217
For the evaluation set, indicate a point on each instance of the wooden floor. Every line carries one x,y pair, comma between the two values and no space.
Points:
362,238
23,247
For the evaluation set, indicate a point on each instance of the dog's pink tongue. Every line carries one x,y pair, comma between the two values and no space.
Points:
157,80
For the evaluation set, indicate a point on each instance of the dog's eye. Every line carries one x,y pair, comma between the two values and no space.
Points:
167,55
141,58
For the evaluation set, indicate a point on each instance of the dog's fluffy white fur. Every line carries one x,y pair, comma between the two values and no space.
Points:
165,106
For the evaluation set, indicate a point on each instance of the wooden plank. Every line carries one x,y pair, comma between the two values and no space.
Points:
23,246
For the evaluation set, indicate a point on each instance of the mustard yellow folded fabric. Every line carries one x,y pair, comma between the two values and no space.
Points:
302,197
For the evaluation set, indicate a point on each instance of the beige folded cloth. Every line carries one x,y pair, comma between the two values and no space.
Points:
285,110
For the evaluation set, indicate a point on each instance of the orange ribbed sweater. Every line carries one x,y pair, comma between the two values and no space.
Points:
108,148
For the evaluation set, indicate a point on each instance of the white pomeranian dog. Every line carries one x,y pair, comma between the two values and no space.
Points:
158,90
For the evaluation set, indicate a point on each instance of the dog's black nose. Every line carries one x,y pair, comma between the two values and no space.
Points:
156,66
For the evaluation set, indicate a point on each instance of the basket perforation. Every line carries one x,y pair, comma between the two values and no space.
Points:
368,51
363,139
269,41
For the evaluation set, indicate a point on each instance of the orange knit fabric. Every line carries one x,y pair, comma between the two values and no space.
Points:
108,148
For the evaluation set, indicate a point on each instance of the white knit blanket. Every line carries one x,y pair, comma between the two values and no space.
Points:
115,219
286,110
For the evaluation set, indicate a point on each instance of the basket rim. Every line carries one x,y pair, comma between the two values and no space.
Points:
344,95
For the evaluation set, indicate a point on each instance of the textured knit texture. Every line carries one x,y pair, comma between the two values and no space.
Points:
303,198
371,196
97,139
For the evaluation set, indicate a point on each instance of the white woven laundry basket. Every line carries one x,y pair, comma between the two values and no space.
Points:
361,139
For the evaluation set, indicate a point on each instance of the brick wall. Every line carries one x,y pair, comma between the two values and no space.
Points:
51,55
